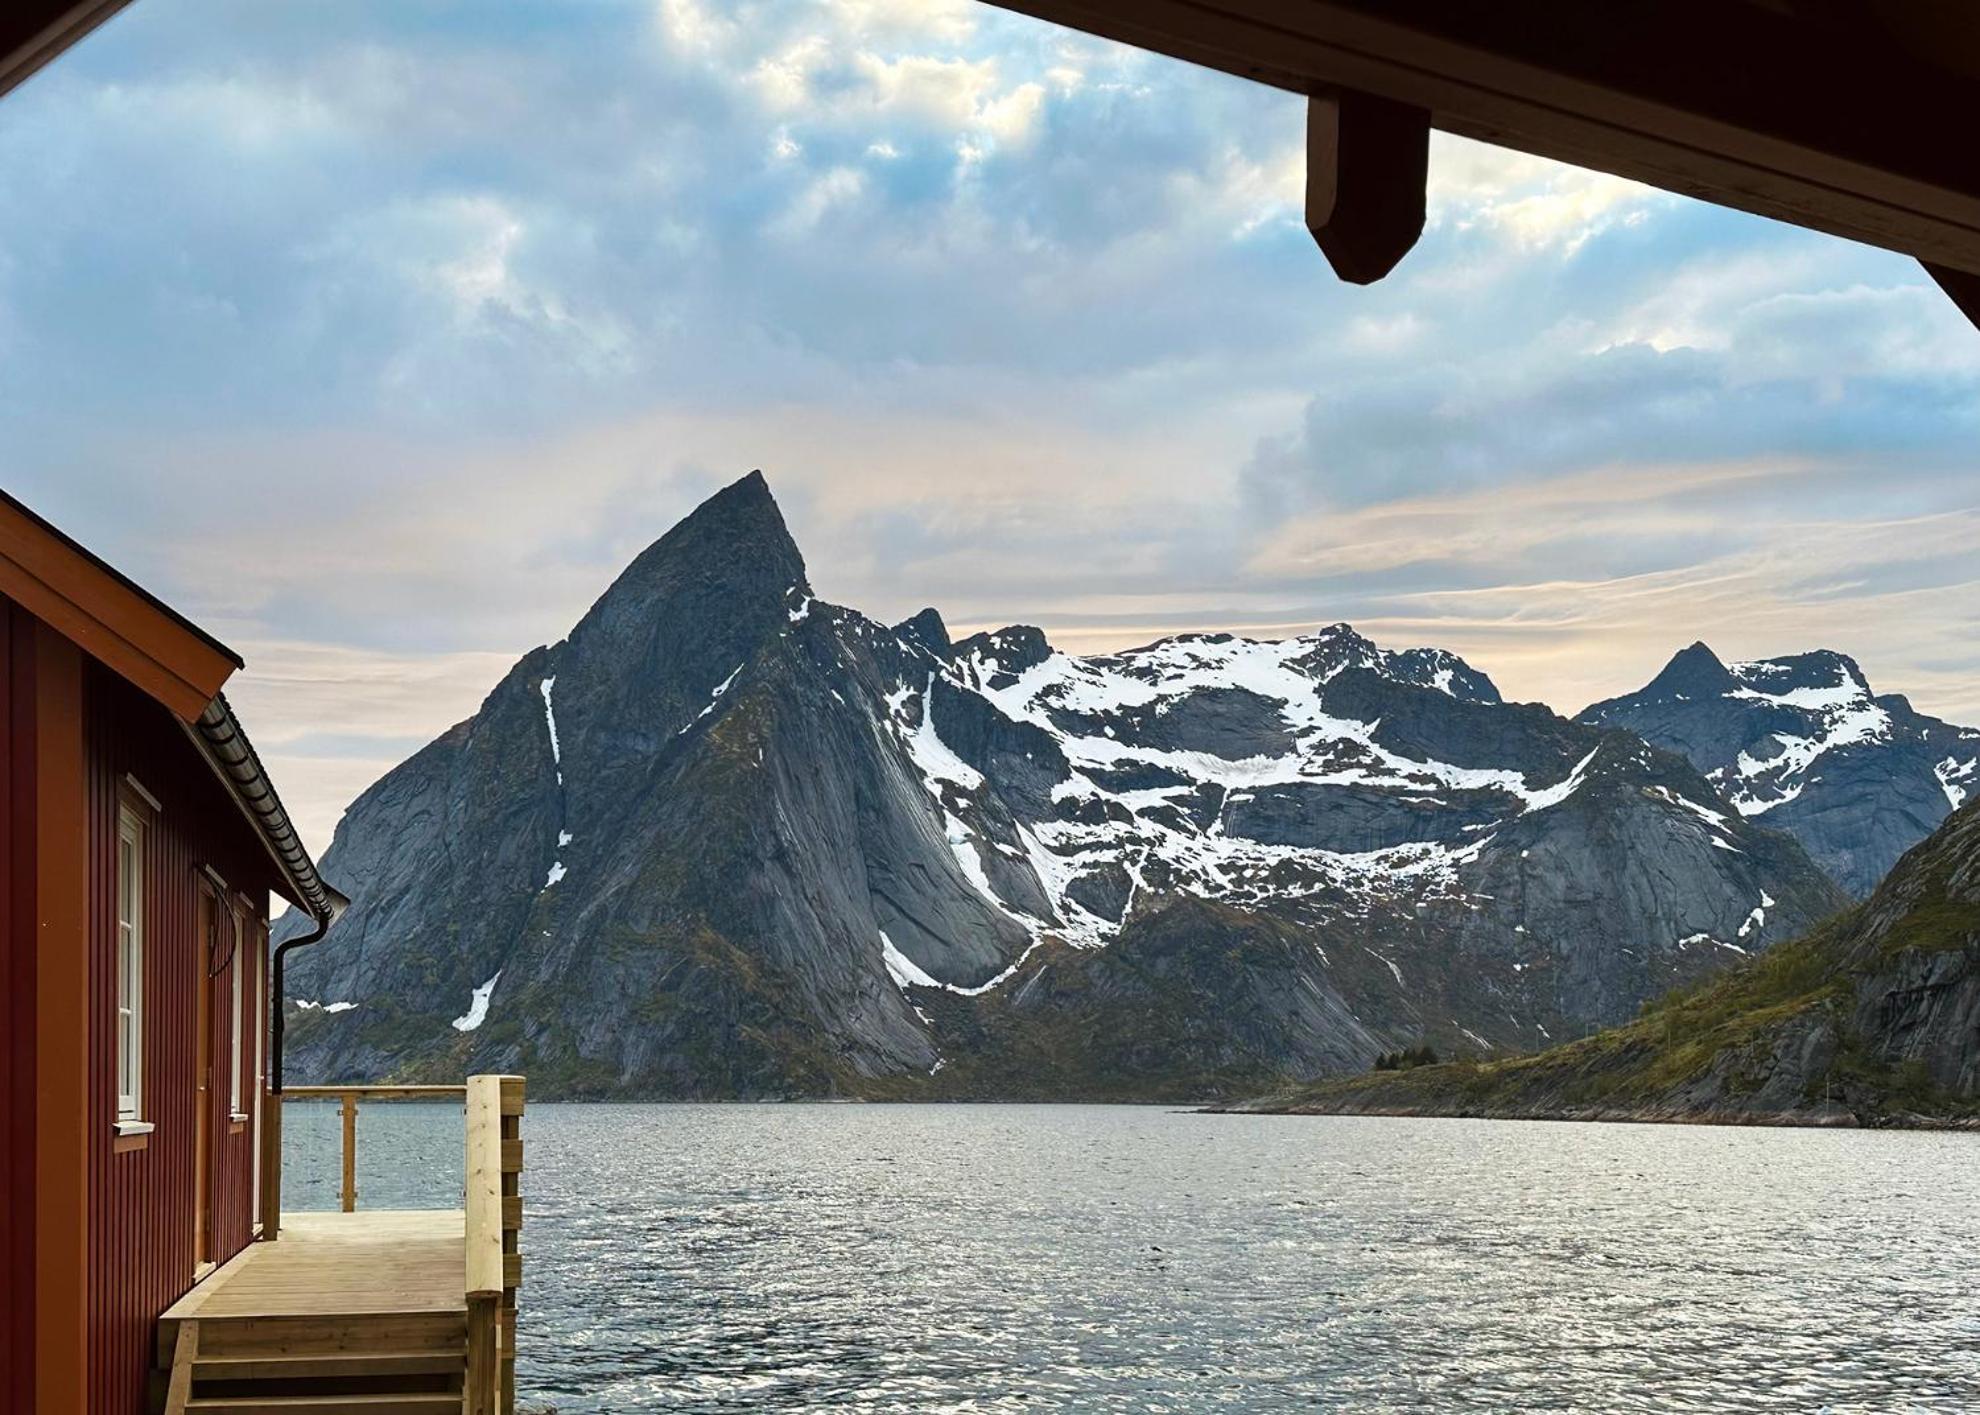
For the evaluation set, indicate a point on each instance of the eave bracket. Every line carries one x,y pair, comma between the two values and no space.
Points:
1367,165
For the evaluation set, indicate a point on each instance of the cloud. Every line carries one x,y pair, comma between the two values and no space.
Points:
1574,641
1789,349
450,311
330,720
1532,204
1578,587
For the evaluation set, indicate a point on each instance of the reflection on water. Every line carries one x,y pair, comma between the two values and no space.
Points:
977,1258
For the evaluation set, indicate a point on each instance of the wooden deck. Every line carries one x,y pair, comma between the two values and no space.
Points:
389,1260
408,1311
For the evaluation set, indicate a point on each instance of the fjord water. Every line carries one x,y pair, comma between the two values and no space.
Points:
1088,1258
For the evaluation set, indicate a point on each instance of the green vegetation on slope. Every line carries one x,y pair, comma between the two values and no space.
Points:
1866,1018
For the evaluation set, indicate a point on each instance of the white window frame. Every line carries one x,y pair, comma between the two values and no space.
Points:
132,832
259,1015
234,1049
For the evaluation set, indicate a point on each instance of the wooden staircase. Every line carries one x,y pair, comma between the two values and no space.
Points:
394,1363
410,1311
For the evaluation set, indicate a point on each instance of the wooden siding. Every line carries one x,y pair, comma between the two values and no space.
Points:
17,1015
143,1197
62,965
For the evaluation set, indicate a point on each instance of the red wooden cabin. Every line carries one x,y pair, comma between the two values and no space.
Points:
139,846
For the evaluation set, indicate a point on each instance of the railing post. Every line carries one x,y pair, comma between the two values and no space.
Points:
478,1395
350,1152
271,1166
512,1114
493,1224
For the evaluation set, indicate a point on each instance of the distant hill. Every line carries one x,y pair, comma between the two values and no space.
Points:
1872,1019
1803,743
728,840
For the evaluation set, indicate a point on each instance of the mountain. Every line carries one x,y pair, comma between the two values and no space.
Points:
1871,1019
728,840
1803,743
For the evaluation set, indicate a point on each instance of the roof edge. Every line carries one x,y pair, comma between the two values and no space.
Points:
42,31
108,615
224,743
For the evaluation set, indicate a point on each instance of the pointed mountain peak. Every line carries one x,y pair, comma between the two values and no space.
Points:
744,505
1693,672
737,537
726,577
927,630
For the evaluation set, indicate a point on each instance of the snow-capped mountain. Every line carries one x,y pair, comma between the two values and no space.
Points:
726,839
1804,744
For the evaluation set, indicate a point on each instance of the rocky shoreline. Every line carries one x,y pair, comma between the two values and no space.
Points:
1833,1118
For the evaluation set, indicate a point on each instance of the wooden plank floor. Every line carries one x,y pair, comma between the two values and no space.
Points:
328,1264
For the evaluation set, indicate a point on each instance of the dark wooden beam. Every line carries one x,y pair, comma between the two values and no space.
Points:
1962,287
34,32
1367,163
1830,125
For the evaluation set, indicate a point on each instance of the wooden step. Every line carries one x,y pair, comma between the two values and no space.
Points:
325,1365
327,1404
285,1336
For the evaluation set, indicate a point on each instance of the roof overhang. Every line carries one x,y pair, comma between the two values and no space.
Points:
1846,116
132,632
1851,117
33,32
170,659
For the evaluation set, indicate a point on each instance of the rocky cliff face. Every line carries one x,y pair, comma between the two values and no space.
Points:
1872,1019
725,840
1805,745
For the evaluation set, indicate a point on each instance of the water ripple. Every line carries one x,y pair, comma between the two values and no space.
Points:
1101,1259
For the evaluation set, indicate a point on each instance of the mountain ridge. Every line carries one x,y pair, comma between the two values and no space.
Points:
1805,743
1872,1019
725,839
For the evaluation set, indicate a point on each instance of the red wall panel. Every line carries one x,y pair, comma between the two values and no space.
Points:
142,1199
17,805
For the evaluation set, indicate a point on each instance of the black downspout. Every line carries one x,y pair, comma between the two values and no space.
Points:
277,999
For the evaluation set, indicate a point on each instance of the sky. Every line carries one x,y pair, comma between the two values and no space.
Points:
378,337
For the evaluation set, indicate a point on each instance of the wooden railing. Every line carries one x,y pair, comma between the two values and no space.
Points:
493,1220
348,1096
494,1233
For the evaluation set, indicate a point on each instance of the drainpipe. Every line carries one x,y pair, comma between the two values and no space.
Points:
276,997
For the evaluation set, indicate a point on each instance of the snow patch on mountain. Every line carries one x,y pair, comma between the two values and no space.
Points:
902,969
1758,918
1553,795
1952,773
931,754
477,1012
1149,789
550,720
1837,714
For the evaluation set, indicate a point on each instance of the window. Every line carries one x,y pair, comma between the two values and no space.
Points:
258,1018
130,967
234,1057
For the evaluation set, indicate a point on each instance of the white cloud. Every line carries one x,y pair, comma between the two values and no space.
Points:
829,191
330,720
943,21
695,27
1004,312
1530,203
